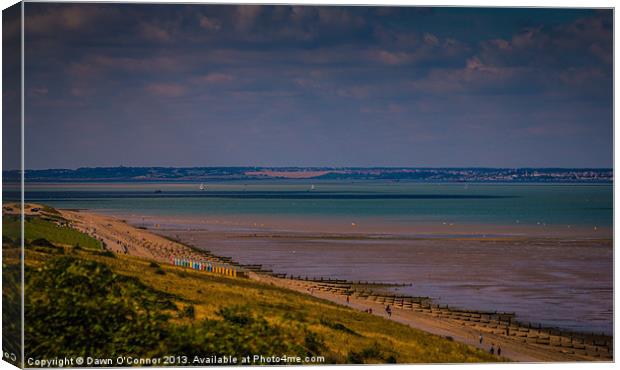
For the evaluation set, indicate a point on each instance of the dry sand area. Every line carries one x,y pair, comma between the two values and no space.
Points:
119,237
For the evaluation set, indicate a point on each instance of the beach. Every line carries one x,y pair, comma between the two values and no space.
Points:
556,282
121,237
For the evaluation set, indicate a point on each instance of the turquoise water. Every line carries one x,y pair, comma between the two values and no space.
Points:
395,203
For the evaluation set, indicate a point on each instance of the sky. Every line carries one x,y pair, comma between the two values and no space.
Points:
223,85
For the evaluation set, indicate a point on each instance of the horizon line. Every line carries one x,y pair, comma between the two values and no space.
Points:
319,167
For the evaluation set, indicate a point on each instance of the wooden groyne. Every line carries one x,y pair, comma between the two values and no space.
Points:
593,346
347,282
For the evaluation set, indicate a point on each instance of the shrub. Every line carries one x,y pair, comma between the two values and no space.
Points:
236,315
338,326
42,245
189,312
313,343
81,308
354,358
11,307
372,352
42,242
240,333
109,254
51,210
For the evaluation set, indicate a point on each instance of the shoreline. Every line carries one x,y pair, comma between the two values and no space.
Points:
146,244
538,277
364,227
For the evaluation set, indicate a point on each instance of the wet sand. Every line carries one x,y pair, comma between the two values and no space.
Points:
118,233
366,226
567,284
564,280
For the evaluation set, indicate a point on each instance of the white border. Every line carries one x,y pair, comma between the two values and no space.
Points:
477,3
23,167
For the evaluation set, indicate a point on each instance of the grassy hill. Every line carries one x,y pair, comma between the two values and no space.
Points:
51,229
86,302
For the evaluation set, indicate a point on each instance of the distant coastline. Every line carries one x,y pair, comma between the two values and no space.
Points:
412,174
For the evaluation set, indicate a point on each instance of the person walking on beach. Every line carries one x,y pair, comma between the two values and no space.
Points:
388,310
499,350
480,338
347,299
492,350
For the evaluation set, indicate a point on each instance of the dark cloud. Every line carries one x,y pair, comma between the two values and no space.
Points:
188,85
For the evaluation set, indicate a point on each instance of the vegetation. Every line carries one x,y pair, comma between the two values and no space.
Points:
86,303
39,228
78,307
11,299
82,303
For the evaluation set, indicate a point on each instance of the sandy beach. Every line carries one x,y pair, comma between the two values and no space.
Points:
121,237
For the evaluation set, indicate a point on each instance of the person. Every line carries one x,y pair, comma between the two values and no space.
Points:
480,338
388,310
499,350
347,299
492,350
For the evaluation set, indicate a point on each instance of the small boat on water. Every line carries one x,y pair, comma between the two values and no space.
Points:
312,187
202,187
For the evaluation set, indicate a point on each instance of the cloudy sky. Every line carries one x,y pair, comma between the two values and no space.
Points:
207,85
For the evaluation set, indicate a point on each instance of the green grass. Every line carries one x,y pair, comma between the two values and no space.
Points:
37,228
